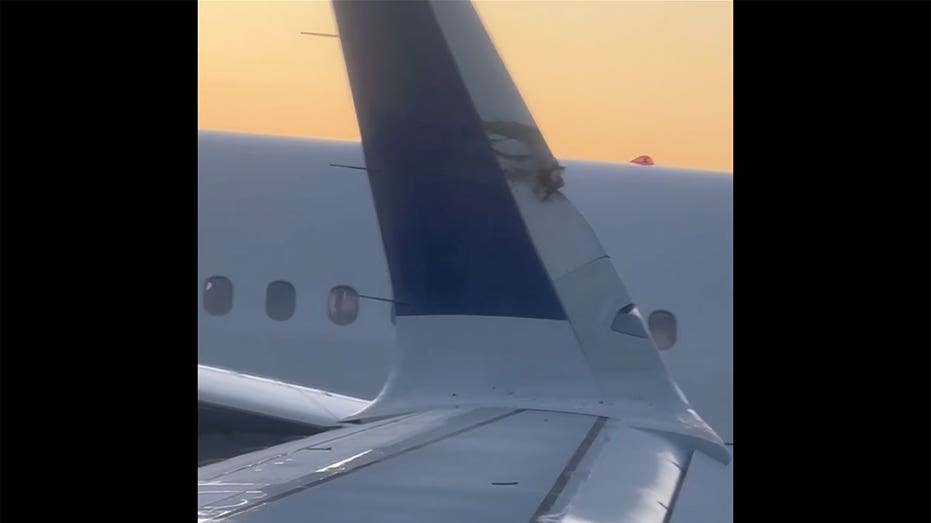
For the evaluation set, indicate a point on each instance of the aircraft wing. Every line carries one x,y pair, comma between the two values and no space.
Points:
273,399
526,387
467,465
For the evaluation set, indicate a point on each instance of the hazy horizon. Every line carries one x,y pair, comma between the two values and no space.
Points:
605,81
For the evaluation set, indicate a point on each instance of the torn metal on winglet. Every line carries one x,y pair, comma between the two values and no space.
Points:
523,155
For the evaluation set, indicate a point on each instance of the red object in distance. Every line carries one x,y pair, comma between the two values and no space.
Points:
642,160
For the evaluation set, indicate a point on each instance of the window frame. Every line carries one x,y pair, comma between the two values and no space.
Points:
330,310
651,325
208,294
287,287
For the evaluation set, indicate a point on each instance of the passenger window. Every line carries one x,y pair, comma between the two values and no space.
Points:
280,299
343,305
663,328
218,295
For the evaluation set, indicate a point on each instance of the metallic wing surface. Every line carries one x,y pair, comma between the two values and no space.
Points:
471,464
225,389
239,413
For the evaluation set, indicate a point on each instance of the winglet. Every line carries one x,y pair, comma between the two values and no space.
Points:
506,295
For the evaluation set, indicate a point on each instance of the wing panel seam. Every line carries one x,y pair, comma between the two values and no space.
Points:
319,478
547,504
678,489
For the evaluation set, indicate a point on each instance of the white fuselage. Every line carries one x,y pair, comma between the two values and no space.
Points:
294,210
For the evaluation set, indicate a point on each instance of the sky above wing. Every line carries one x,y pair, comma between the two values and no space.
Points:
605,81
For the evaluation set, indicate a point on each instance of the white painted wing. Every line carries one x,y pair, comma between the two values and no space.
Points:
272,398
457,465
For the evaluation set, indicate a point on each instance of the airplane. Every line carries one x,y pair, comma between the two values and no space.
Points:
445,322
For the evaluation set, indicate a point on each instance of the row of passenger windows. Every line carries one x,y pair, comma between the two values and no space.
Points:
343,309
281,300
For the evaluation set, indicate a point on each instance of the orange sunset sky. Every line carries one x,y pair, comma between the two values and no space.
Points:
607,80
